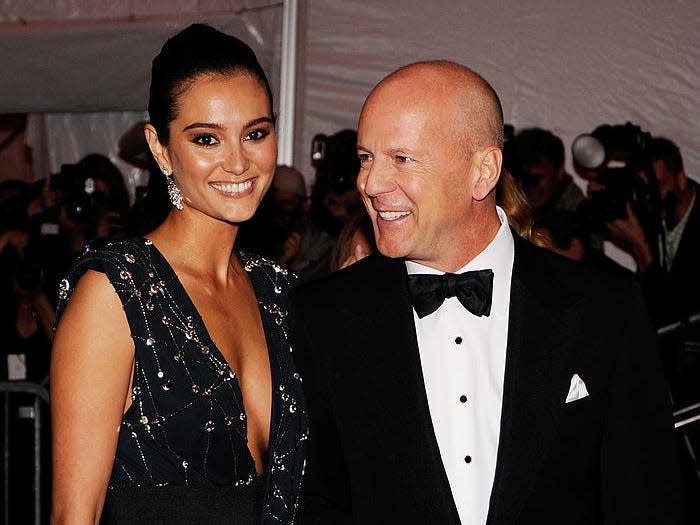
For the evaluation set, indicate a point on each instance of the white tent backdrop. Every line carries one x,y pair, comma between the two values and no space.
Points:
83,72
564,65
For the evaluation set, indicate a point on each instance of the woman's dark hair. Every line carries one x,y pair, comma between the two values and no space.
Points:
196,50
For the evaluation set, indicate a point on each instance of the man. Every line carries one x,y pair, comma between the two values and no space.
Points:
545,406
540,159
671,279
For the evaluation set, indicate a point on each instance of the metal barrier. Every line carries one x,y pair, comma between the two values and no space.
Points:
33,404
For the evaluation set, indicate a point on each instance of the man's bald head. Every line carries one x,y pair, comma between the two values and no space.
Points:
479,112
430,139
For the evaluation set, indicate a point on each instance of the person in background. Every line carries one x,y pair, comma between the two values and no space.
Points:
540,159
151,205
563,232
669,271
334,202
27,311
355,242
278,227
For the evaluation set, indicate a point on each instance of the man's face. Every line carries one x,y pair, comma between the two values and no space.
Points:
287,201
415,173
541,182
666,179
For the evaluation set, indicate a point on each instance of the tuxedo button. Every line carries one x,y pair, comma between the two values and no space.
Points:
463,398
458,340
467,459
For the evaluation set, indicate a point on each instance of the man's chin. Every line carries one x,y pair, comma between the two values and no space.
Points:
392,250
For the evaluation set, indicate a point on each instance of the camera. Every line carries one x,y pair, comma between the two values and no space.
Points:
615,157
78,195
335,159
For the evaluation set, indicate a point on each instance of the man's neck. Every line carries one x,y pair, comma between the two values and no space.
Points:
685,199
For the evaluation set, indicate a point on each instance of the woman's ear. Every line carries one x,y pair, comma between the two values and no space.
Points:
488,169
158,150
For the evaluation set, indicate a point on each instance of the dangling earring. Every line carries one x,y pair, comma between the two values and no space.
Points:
173,190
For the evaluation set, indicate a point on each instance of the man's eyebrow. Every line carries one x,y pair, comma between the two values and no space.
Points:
214,125
361,147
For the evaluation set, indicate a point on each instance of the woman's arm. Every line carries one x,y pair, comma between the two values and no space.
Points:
91,366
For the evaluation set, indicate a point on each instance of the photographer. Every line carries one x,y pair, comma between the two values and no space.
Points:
614,160
91,201
27,313
669,264
539,159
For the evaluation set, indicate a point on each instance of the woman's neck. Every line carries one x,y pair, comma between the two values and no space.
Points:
197,245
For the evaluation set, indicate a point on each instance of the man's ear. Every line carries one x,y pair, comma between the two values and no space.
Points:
159,152
560,173
488,169
681,180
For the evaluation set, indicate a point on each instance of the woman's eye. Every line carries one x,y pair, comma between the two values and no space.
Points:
257,134
205,139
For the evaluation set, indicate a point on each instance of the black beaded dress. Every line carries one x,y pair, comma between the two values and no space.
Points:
182,454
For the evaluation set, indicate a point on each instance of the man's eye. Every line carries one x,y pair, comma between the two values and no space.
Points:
402,159
257,134
364,158
205,139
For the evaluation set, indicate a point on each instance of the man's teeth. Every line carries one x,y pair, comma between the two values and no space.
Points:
392,215
233,187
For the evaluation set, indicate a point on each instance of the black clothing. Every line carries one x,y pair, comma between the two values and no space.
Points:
373,456
674,294
210,505
186,425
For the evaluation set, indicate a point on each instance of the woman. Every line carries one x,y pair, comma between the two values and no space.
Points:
174,398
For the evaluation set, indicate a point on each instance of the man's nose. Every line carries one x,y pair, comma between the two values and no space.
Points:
376,180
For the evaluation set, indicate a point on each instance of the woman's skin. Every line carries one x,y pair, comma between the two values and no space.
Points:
222,151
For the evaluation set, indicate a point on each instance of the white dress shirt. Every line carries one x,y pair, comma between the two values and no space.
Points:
463,359
672,237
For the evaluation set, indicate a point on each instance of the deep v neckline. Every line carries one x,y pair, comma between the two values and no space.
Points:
191,309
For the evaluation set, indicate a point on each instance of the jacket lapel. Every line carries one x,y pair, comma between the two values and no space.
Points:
383,328
536,381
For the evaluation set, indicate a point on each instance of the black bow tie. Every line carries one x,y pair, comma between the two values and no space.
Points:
472,289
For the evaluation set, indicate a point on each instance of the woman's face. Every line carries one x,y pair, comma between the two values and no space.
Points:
223,147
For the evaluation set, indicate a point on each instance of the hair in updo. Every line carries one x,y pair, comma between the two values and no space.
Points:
195,51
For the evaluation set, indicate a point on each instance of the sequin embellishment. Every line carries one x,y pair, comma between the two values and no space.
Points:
183,387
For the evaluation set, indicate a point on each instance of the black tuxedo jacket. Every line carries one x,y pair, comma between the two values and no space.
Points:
607,458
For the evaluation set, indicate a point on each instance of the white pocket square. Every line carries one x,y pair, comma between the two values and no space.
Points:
577,390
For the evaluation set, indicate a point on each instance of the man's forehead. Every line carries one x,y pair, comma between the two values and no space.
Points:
395,126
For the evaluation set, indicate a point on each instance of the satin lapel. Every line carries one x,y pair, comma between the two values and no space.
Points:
383,328
539,347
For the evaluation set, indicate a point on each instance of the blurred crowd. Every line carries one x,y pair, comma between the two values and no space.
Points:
632,191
